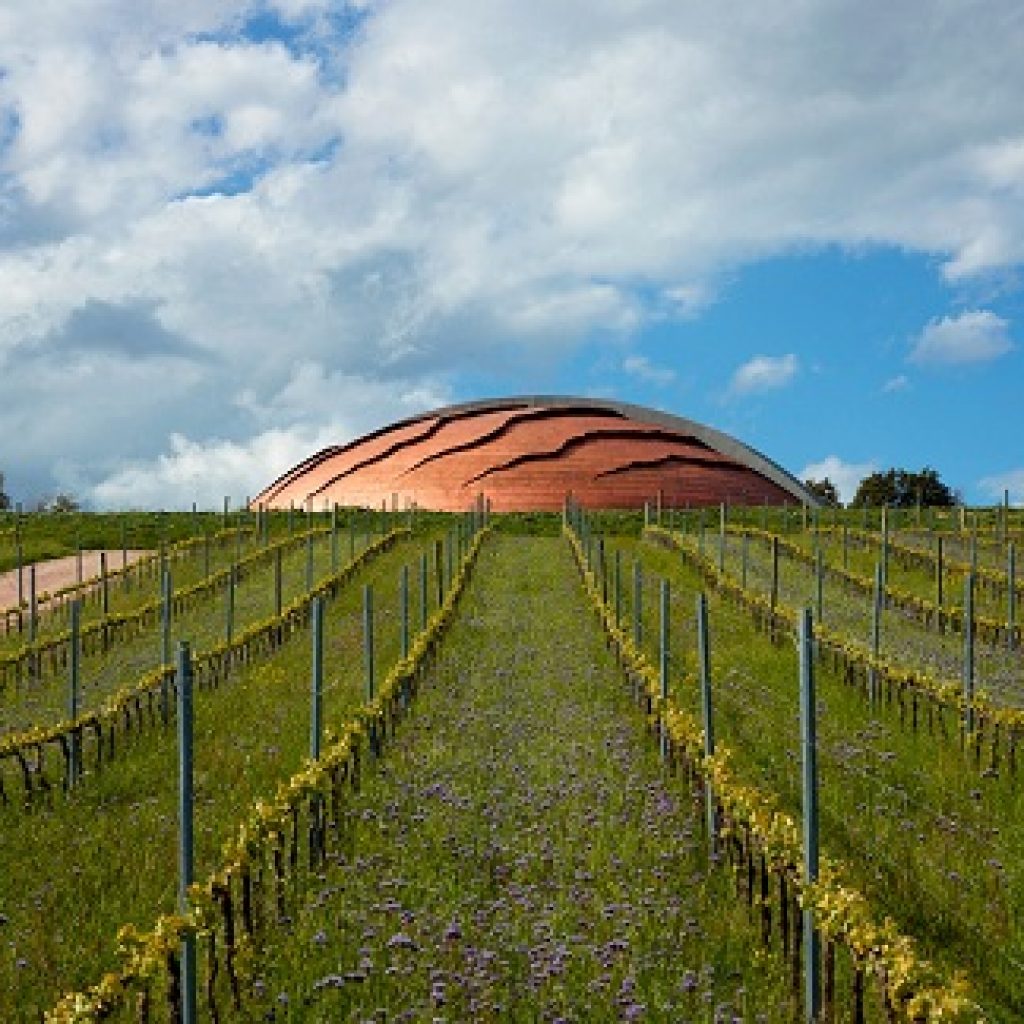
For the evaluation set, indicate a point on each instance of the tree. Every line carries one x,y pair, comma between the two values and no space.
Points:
823,489
5,501
59,503
64,503
902,488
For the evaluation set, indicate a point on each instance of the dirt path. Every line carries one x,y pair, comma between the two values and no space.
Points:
59,572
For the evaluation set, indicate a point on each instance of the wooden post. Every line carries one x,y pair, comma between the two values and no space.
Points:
309,561
368,640
939,573
809,750
968,668
227,506
317,694
185,830
704,668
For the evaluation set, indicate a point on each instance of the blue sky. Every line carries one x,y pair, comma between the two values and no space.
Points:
264,226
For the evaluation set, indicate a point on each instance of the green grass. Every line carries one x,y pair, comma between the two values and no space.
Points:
105,856
520,853
931,841
44,701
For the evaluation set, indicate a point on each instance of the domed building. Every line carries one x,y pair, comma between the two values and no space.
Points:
528,453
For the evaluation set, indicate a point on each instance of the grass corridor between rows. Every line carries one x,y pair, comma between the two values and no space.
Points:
72,873
519,854
925,835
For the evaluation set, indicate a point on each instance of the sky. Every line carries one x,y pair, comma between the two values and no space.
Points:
232,233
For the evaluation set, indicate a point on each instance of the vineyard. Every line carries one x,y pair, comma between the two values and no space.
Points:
701,765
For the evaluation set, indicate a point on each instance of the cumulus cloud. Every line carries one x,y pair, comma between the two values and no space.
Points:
454,183
976,336
996,486
764,373
205,471
647,372
845,475
319,408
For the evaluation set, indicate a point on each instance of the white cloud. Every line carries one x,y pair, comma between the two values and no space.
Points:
764,373
647,372
485,180
996,486
977,336
898,383
845,475
205,471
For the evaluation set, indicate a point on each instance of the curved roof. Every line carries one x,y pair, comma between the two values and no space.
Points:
528,452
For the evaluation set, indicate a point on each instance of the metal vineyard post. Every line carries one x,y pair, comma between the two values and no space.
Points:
968,668
704,663
638,597
1011,596
809,751
74,769
278,572
368,639
663,663
185,830
165,645
405,610
876,632
317,681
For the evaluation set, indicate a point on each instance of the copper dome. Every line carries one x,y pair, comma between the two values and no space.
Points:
527,453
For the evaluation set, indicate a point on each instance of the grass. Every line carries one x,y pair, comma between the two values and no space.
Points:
520,853
44,701
928,837
106,855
